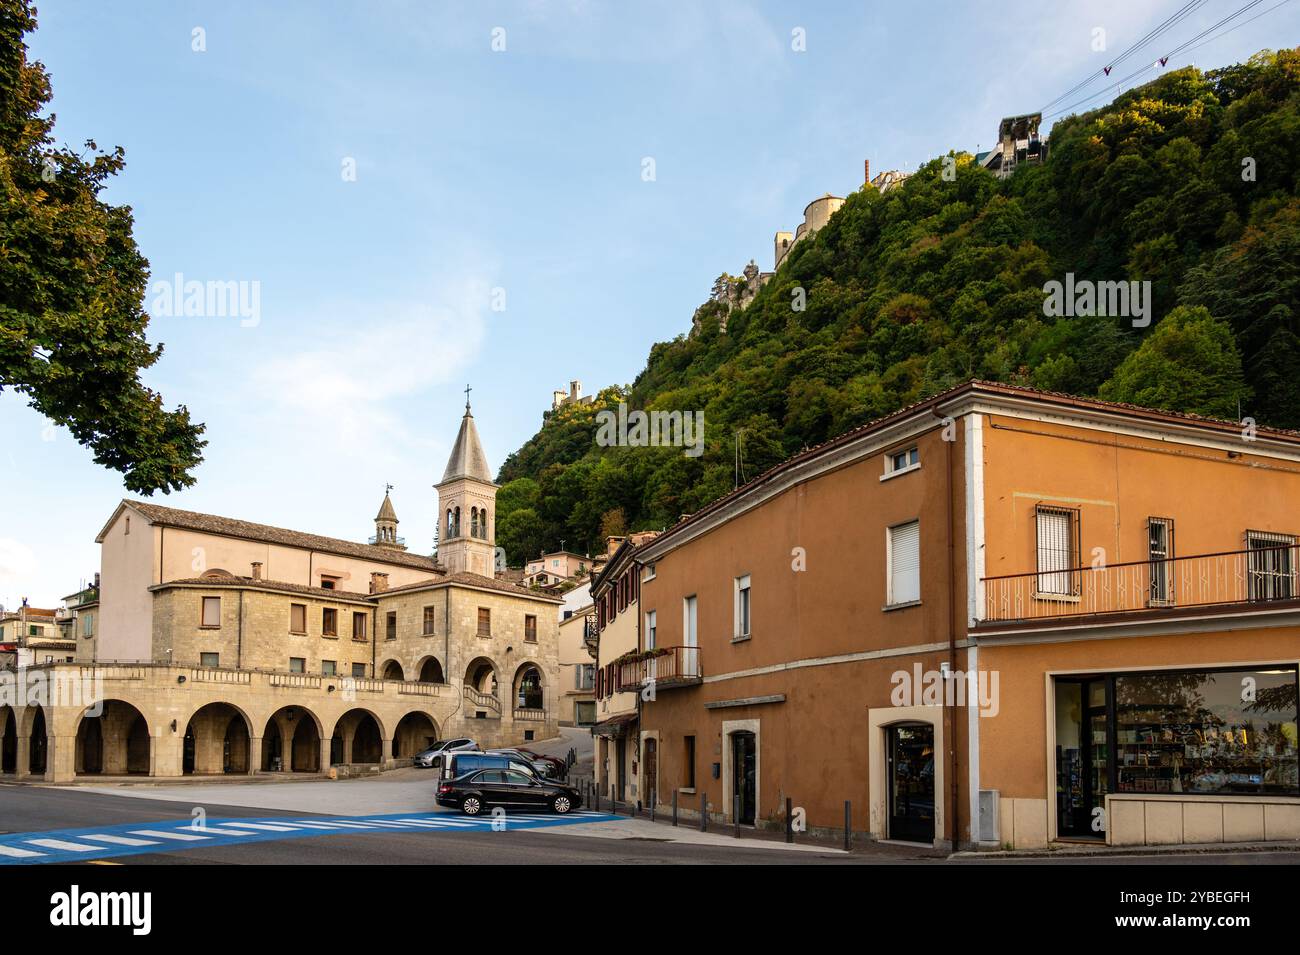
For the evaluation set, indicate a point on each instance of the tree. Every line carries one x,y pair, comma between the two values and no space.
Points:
72,283
1189,363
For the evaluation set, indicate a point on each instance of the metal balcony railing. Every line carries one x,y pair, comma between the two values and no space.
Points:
680,665
1257,575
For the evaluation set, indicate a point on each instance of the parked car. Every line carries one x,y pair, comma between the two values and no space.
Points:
429,757
507,788
458,763
558,764
540,766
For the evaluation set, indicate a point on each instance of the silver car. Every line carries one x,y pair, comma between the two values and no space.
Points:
432,756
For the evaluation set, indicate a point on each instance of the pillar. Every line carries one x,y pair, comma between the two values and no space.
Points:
254,754
386,752
323,763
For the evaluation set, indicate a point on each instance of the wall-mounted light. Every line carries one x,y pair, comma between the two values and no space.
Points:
180,679
173,726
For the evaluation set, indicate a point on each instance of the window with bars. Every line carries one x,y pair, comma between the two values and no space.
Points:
1160,553
1057,531
1270,565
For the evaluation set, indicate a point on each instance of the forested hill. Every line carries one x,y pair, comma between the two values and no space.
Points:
1189,182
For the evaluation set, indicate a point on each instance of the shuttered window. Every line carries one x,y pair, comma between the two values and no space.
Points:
905,563
1058,550
211,611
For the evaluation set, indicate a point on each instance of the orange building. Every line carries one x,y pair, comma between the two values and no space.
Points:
999,617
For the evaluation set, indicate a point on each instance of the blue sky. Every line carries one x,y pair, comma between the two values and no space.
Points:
518,170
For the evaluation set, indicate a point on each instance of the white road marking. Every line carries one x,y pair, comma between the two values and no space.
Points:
119,840
60,844
215,830
175,835
259,825
15,853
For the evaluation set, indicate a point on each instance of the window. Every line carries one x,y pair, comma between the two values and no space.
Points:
1270,565
1160,552
688,763
297,618
899,461
1192,732
530,628
88,625
297,665
359,626
430,616
390,625
904,559
742,608
690,637
211,612
649,572
329,622
210,659
328,667
484,622
328,582
651,629
1058,551
584,712
586,676
358,671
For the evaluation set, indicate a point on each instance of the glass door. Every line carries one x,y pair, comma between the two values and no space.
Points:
1082,758
910,771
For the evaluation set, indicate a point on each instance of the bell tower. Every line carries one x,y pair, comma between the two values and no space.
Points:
467,505
386,525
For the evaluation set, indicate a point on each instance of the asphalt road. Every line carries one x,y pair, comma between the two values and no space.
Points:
32,809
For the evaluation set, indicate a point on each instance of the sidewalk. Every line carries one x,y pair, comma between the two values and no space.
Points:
1067,851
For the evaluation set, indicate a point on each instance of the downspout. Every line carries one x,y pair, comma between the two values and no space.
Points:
954,786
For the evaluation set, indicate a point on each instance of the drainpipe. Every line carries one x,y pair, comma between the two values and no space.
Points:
954,785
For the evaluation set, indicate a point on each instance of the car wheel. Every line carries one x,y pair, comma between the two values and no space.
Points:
472,806
561,804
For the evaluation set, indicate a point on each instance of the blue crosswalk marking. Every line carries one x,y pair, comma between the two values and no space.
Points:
127,839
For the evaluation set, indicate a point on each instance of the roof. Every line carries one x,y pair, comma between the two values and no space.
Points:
467,458
264,533
386,512
445,580
466,579
973,387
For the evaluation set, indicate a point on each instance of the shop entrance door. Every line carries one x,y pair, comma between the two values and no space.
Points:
1082,759
910,753
744,768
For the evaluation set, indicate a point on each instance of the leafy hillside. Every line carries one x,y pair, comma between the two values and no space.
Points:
1189,182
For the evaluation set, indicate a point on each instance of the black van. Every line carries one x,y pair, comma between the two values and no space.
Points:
457,764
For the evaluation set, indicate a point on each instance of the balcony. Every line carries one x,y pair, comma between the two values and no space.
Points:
679,666
1229,582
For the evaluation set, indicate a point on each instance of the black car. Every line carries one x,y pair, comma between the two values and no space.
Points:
508,788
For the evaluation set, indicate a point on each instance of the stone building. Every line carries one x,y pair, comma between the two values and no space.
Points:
224,646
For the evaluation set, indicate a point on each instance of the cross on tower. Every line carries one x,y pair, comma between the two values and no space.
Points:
467,391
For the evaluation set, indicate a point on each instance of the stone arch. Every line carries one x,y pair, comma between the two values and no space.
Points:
8,740
358,737
391,670
528,687
415,731
481,676
291,741
218,739
117,742
429,670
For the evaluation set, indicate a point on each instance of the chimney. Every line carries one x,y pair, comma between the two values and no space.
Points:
257,570
378,582
96,580
866,171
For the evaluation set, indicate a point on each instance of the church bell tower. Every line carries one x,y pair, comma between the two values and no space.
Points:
467,505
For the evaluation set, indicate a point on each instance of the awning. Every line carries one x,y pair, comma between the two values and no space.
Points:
615,726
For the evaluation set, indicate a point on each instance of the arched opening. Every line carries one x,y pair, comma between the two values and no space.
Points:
216,741
115,743
8,740
291,741
39,744
357,739
431,671
528,688
456,523
473,522
415,732
481,676
393,671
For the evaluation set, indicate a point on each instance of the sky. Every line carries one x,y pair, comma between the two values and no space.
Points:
418,196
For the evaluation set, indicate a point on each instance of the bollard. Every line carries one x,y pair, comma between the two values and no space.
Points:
704,812
848,826
789,820
674,807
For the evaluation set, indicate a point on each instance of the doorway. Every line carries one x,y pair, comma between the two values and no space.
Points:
744,768
910,774
650,756
1082,760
